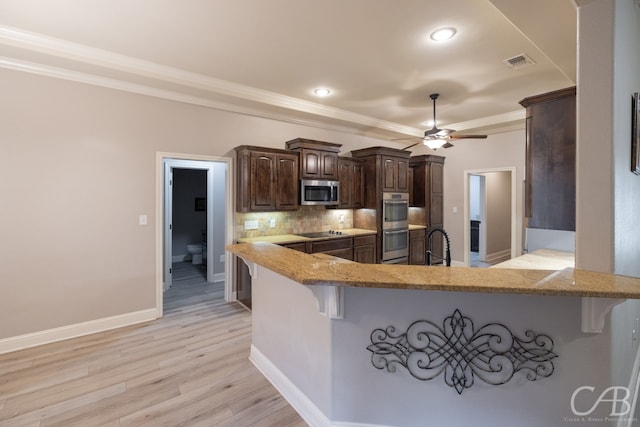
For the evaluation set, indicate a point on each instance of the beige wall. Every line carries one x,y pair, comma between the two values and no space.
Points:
504,150
78,168
498,227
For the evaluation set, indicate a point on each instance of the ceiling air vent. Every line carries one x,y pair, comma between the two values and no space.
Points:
519,61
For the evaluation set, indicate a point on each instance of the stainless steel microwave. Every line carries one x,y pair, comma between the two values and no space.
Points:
319,192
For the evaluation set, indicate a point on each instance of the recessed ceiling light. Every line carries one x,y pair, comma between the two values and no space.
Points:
321,92
443,34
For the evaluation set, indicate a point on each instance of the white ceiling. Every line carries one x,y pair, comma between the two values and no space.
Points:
265,57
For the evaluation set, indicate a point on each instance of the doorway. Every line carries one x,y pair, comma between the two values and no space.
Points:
489,216
205,211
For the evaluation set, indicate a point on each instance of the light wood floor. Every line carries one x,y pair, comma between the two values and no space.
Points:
189,368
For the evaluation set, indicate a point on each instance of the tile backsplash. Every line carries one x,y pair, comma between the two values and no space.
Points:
305,219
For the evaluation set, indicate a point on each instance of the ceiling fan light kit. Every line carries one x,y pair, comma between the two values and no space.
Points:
434,144
435,138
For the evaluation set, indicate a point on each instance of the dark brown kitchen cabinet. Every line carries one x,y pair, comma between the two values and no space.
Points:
267,179
385,170
350,175
364,249
318,159
550,177
428,194
417,246
395,178
296,246
243,283
338,247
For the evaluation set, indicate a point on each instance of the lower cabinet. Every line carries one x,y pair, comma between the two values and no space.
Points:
243,283
298,246
341,247
364,249
358,248
417,246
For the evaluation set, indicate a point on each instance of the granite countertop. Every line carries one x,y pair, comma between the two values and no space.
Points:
322,269
280,239
542,259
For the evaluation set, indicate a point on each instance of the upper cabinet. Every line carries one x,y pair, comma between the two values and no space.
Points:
267,179
550,181
386,170
350,175
318,159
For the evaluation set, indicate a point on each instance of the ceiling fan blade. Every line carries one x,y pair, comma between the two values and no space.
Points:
444,132
413,145
407,139
467,137
433,131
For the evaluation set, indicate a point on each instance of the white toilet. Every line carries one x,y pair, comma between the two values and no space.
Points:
195,249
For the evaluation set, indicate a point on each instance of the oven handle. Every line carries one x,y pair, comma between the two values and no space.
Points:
396,232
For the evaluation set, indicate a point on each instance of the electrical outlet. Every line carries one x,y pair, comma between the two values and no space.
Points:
341,218
251,225
221,258
635,332
272,223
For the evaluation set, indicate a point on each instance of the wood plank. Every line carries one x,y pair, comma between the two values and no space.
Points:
189,368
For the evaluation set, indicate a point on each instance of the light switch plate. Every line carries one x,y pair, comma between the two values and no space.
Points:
142,220
251,225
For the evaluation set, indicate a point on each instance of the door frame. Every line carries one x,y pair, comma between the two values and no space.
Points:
467,174
188,161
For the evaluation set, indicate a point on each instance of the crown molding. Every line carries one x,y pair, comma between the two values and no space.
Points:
262,103
160,73
490,121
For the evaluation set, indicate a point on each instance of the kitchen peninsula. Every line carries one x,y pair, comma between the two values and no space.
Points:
402,345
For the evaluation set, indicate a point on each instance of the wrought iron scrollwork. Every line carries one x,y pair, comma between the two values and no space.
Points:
491,353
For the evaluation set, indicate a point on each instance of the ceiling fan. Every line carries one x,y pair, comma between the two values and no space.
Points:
435,138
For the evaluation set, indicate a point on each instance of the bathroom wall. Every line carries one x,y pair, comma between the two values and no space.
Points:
188,224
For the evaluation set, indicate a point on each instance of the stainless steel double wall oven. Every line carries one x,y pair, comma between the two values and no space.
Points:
395,228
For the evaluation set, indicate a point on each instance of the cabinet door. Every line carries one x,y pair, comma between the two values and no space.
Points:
365,254
417,249
243,283
263,181
318,164
286,187
329,164
357,191
402,178
345,176
395,174
298,246
389,174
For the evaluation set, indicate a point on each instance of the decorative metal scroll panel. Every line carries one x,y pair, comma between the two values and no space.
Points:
491,353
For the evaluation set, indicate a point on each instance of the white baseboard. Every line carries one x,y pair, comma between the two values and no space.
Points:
218,277
499,256
76,330
292,394
296,398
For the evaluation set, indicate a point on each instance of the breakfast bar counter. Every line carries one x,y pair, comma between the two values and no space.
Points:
319,269
407,346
